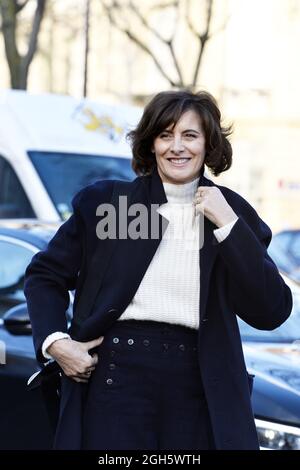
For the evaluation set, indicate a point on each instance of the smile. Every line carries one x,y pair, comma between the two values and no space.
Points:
179,161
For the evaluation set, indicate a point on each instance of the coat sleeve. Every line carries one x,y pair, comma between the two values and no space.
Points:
256,290
50,276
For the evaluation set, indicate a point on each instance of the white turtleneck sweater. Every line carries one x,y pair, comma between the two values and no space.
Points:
170,289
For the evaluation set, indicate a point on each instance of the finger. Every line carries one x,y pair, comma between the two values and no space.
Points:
94,343
200,208
94,359
84,375
199,202
201,189
88,371
197,199
80,380
200,196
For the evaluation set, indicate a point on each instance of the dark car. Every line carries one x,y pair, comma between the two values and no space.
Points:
285,251
269,356
274,358
23,416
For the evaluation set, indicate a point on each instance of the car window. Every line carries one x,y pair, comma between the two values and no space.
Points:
295,247
288,332
14,258
13,200
284,249
283,239
64,174
282,258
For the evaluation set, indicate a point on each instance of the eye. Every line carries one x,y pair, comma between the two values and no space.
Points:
164,135
190,135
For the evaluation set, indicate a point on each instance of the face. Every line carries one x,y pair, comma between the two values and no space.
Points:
180,151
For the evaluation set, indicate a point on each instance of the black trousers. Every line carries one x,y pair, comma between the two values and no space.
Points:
146,391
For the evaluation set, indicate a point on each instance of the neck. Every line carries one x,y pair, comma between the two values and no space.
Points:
181,193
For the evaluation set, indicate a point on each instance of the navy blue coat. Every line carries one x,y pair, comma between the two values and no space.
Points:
237,278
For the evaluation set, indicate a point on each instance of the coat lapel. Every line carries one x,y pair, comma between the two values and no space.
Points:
123,261
132,257
207,256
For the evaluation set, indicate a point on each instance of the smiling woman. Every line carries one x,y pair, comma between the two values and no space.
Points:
180,150
161,339
183,121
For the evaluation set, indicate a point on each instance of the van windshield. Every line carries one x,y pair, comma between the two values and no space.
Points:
64,174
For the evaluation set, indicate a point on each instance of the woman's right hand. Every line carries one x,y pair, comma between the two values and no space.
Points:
74,358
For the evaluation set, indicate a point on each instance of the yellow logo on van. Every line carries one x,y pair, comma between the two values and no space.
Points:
96,123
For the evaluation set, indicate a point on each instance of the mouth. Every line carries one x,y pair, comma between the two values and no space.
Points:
178,162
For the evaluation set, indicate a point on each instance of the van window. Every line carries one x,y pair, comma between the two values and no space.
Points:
64,174
13,200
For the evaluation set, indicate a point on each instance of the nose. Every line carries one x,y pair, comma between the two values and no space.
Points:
176,145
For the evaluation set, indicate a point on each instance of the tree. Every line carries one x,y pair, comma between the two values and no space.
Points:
19,63
122,15
86,46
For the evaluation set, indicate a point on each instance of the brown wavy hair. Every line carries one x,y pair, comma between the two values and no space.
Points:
165,109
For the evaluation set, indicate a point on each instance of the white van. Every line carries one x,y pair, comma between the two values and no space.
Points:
51,146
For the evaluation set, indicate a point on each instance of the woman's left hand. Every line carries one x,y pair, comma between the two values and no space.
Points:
210,201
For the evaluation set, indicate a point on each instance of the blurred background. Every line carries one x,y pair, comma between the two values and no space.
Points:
244,52
74,77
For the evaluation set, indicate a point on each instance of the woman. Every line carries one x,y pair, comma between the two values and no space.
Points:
157,361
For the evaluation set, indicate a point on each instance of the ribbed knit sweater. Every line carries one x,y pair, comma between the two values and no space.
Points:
169,291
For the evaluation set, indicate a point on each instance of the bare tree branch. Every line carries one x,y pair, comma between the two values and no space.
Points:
149,52
188,20
175,23
8,12
19,6
18,64
115,12
138,42
221,28
171,43
32,46
177,67
168,43
145,23
203,38
160,6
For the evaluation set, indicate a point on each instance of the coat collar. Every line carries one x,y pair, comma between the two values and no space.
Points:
157,193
